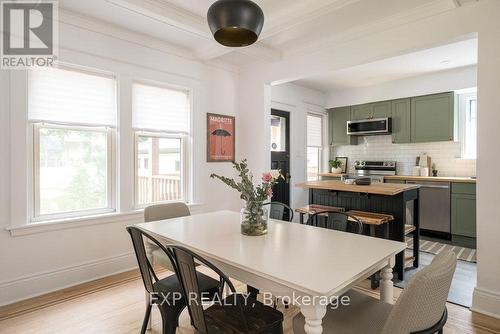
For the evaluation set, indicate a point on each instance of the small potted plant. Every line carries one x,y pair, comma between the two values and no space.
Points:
434,170
335,166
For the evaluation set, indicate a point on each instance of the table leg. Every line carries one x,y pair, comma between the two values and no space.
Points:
313,315
386,285
301,218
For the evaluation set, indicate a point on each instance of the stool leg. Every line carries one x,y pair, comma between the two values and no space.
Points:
301,218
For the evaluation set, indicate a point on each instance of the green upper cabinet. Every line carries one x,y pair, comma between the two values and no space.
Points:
381,109
401,121
371,110
432,118
338,118
361,111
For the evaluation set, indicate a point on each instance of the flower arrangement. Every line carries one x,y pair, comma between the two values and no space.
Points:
254,217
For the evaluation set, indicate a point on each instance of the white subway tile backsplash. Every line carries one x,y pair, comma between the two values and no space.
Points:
446,155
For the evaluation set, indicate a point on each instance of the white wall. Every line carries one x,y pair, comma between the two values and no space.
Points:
437,82
36,263
480,18
298,101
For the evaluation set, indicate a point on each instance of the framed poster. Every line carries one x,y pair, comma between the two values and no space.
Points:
220,138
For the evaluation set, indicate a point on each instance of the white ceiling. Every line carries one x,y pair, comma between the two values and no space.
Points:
444,57
289,24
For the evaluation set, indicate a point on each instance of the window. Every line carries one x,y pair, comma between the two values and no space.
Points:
72,115
468,124
314,145
161,121
278,133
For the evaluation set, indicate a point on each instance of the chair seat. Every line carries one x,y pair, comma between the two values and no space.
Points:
364,315
171,285
227,319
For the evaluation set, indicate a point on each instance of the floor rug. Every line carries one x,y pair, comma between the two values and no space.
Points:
433,247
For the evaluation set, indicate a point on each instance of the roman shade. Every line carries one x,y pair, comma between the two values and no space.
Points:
62,95
160,109
314,131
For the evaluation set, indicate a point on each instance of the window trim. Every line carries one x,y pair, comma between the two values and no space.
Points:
34,167
185,163
462,115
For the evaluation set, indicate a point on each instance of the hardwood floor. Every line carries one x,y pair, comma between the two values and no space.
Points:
116,305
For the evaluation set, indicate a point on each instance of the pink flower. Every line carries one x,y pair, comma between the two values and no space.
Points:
266,177
270,192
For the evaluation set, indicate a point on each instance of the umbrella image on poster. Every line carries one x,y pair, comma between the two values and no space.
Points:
221,133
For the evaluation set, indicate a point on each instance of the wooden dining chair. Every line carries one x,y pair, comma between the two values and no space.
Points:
280,211
160,212
164,292
420,309
235,314
336,220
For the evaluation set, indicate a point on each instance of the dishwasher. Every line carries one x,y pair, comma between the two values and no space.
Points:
435,206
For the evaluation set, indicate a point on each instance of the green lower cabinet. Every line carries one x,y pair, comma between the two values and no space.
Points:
432,118
401,121
463,219
338,118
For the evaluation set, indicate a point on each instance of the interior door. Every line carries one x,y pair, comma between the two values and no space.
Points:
280,154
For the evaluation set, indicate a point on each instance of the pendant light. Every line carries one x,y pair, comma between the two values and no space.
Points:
235,23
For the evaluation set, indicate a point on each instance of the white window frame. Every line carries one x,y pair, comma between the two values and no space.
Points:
185,159
34,199
320,148
463,99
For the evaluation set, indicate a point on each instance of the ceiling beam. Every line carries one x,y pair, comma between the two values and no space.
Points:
193,24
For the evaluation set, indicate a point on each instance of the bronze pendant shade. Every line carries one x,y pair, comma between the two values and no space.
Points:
235,23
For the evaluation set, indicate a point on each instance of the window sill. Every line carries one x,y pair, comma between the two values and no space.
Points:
132,217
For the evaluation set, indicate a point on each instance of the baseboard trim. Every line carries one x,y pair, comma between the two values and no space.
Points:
486,302
41,283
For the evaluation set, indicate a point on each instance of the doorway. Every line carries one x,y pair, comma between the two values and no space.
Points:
280,154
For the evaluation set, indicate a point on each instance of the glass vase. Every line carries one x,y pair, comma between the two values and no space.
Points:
253,221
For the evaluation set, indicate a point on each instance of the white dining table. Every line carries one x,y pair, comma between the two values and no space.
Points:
307,263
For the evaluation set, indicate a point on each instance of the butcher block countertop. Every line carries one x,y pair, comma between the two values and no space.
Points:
457,179
389,189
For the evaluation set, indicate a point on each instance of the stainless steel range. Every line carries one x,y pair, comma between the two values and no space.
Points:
375,170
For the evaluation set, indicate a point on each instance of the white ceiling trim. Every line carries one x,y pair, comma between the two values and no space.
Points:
193,24
416,14
309,11
97,26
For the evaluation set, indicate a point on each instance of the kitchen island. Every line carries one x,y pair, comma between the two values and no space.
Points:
385,198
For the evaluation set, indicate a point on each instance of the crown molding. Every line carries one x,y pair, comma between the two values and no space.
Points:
104,28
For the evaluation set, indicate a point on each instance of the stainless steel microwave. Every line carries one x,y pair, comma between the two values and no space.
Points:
374,126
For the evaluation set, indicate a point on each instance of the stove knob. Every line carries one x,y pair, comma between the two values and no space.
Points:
363,163
356,163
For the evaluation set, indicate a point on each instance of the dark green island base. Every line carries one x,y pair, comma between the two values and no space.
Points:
394,205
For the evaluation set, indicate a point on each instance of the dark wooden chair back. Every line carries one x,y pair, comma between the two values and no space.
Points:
335,220
280,211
